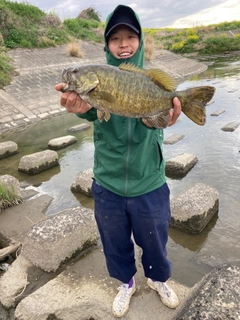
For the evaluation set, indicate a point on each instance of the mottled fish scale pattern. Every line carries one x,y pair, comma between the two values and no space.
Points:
136,93
136,96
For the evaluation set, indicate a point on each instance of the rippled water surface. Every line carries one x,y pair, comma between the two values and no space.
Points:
218,166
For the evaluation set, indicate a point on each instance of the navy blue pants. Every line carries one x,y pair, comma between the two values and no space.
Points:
147,217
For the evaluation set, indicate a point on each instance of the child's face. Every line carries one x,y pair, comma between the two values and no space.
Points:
123,42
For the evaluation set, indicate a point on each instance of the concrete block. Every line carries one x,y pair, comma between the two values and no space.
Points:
56,239
231,126
61,142
217,112
174,139
83,182
180,165
8,148
79,127
193,209
38,162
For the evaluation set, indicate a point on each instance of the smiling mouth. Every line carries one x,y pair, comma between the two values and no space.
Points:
125,54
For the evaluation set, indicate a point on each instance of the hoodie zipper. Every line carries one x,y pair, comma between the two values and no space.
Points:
129,131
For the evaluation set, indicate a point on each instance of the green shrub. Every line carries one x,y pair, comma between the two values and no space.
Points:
6,70
192,39
224,26
90,14
215,45
178,46
83,29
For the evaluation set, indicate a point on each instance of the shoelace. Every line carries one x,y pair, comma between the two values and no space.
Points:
166,290
124,293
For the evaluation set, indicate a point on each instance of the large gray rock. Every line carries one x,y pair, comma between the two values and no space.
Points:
83,182
8,148
56,239
38,162
193,209
216,296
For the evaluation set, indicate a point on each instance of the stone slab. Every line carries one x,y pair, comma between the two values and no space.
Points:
61,142
59,237
18,272
22,217
79,127
180,165
216,296
37,162
83,182
194,208
231,126
217,112
85,291
8,148
174,139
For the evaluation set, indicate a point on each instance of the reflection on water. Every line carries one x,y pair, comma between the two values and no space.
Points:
218,166
56,181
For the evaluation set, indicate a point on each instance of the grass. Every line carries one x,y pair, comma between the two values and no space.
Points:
8,197
25,26
74,50
148,46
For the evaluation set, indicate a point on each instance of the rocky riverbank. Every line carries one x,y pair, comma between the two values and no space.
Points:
81,288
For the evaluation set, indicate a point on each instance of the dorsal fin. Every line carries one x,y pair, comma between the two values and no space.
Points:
159,77
162,79
131,68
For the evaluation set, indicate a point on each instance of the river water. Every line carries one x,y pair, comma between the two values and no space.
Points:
218,166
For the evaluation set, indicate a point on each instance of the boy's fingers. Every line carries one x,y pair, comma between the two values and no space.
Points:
58,86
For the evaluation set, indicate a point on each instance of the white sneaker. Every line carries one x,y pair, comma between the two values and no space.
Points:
122,300
167,295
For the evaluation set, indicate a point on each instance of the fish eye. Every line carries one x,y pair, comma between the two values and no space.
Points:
75,70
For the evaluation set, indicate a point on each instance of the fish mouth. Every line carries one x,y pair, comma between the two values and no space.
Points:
65,87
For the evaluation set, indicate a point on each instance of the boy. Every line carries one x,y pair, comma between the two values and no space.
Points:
130,193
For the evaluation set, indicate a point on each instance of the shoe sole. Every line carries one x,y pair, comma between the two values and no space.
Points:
125,312
165,303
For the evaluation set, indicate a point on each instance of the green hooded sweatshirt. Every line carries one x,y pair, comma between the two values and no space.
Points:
128,155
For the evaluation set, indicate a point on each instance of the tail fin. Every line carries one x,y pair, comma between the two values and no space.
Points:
193,103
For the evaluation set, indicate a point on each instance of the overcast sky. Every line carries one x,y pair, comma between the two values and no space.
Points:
152,13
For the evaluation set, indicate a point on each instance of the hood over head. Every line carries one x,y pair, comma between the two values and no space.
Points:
127,16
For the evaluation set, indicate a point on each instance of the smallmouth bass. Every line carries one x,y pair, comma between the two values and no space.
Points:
136,93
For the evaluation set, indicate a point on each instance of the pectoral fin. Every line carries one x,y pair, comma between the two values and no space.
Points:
102,98
103,115
103,101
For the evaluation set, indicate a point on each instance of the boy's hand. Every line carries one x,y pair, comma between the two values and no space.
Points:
72,101
173,113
